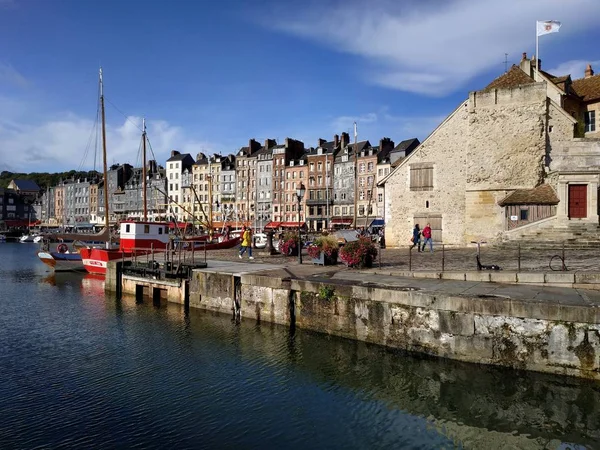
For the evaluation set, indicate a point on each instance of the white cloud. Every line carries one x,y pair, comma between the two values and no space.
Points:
433,47
575,68
10,75
60,144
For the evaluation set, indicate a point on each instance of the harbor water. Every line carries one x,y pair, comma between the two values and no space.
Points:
84,370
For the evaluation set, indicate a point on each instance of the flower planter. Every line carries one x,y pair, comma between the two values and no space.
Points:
324,260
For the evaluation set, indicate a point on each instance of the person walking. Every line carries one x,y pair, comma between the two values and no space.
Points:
427,238
416,238
246,243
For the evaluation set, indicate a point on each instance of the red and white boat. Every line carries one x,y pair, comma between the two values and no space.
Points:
136,238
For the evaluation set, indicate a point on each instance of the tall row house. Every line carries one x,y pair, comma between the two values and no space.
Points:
227,202
343,183
245,178
284,156
319,192
295,173
263,208
176,165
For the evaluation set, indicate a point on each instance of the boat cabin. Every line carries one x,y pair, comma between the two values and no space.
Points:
143,235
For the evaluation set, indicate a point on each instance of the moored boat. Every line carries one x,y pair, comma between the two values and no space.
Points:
63,259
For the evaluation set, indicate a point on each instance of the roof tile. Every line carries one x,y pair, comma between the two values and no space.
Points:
541,195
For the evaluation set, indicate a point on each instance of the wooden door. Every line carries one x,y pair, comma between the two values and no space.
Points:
434,221
577,201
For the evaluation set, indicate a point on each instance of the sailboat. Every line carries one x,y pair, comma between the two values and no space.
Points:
66,257
136,237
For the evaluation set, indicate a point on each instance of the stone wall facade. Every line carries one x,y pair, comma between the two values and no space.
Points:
445,151
494,143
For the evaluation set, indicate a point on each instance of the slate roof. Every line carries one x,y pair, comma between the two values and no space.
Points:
398,162
26,185
541,195
179,157
513,78
587,88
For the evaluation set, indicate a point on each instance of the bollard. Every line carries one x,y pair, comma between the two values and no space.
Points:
380,254
519,257
564,267
443,257
410,259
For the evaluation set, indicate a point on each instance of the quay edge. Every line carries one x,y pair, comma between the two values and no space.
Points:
539,336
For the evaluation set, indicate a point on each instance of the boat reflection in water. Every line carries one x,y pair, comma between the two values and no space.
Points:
88,283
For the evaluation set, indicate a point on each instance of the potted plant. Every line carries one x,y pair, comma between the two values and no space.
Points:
289,243
324,250
359,253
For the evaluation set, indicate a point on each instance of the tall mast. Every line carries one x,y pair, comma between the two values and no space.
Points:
144,168
355,176
105,168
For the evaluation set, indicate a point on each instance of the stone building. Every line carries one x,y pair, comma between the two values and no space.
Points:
155,193
117,176
499,147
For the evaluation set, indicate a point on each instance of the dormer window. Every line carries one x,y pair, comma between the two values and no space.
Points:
319,151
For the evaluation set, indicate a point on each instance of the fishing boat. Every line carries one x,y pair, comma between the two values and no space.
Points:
63,258
26,238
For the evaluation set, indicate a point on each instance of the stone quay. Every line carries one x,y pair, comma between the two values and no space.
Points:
534,320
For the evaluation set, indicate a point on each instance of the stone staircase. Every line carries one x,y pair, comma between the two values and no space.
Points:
552,234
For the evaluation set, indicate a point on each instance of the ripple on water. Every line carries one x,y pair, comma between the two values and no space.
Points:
83,371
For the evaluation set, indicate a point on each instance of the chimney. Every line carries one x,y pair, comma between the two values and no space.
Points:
174,153
345,140
527,65
336,141
524,57
321,142
270,143
253,146
386,143
589,72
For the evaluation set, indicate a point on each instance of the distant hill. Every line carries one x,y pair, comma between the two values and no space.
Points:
45,180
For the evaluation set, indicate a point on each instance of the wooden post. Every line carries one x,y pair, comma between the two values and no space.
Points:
564,267
410,259
519,258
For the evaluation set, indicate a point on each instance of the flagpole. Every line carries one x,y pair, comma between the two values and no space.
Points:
537,51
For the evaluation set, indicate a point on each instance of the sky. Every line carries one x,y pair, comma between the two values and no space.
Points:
210,75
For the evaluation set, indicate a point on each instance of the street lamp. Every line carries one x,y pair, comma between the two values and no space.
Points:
300,191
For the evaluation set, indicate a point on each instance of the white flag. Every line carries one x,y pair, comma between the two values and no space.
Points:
355,131
547,27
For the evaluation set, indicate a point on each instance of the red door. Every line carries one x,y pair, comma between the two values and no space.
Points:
577,201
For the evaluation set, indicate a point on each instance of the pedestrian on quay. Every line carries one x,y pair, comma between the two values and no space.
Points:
416,238
246,243
427,238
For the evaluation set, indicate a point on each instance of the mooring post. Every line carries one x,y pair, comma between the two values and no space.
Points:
380,254
519,257
443,257
410,259
205,252
564,266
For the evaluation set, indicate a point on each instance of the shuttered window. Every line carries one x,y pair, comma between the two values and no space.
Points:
421,177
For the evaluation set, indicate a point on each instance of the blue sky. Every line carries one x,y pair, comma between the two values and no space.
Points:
209,75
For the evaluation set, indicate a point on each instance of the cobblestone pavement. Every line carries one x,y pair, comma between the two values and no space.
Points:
455,259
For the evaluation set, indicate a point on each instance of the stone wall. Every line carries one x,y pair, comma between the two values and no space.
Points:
506,332
506,138
445,150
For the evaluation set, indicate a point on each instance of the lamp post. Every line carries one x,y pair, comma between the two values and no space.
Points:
300,191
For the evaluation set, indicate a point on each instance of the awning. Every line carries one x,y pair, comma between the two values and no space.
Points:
378,223
341,221
363,223
272,225
292,224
